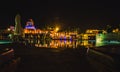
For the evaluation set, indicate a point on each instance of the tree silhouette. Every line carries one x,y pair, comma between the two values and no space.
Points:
119,26
109,29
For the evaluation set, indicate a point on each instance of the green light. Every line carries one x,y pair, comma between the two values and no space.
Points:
5,42
99,38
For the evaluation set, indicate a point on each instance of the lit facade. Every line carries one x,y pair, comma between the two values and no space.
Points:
95,31
30,28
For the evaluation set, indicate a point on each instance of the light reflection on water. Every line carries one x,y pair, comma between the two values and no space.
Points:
62,43
69,43
103,43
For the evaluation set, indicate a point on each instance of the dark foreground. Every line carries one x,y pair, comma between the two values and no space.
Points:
62,60
55,61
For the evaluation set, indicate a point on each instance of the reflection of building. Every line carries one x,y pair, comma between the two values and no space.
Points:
61,43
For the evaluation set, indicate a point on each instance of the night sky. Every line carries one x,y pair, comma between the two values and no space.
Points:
73,13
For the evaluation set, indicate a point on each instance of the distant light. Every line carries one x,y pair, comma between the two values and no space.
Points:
56,29
11,28
8,29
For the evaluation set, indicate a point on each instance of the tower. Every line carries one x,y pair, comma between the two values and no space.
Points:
18,28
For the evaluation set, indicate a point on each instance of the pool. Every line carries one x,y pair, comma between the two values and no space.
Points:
5,41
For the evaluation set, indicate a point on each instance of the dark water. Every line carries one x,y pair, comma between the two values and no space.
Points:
69,43
61,43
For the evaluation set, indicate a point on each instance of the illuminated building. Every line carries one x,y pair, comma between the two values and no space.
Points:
4,33
30,32
30,24
30,28
115,30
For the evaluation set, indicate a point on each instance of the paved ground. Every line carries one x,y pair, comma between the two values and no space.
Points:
55,60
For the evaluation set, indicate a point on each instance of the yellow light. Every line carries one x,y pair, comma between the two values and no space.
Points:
56,29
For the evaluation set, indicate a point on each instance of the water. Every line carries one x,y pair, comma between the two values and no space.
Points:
69,43
5,41
61,43
103,43
57,59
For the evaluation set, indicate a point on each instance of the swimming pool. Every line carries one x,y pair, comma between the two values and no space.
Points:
5,41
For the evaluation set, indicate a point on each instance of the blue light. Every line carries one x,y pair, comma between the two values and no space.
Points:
70,38
65,41
30,27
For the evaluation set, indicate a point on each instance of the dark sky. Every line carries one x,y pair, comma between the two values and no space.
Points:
75,13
